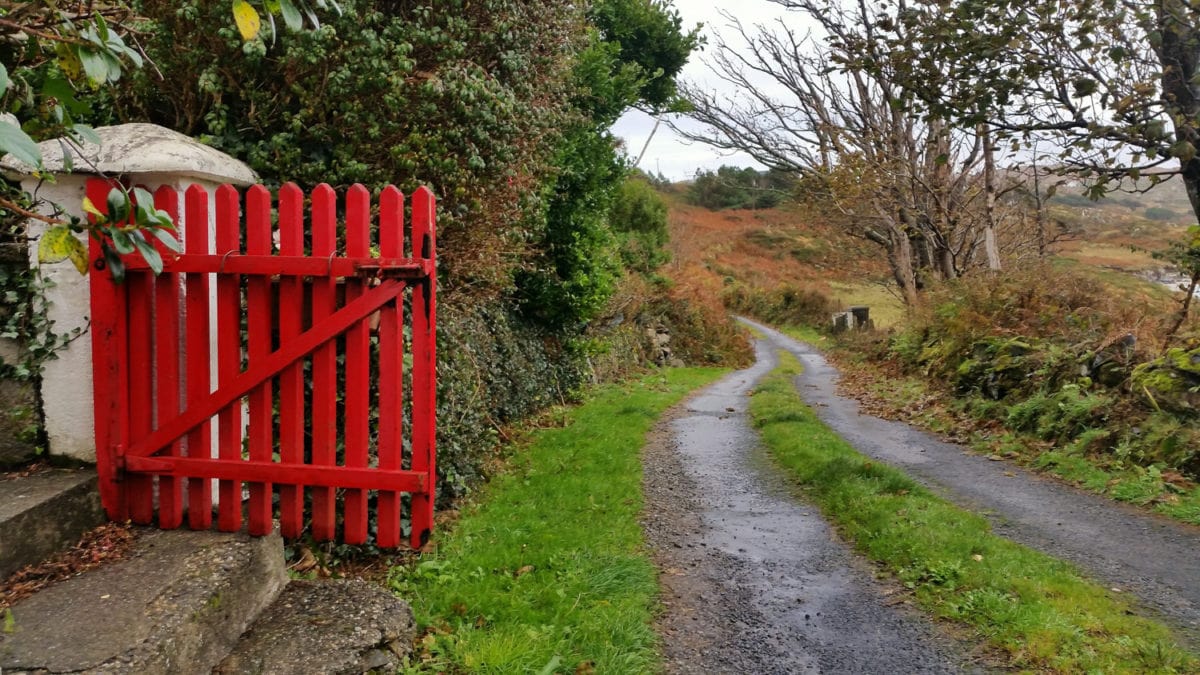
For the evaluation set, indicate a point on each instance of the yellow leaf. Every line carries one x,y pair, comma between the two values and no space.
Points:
89,207
60,244
69,61
247,20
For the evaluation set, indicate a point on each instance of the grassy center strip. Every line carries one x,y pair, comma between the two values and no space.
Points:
1037,609
546,571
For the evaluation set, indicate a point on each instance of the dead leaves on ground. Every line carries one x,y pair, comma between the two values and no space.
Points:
107,543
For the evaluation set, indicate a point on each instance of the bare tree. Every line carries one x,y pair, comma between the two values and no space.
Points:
809,107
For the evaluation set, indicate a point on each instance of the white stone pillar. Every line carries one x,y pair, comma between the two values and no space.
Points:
141,154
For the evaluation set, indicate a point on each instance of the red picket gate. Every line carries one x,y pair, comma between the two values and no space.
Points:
222,347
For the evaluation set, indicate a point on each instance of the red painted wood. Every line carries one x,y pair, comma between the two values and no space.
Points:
296,266
304,474
148,407
357,430
391,374
229,355
291,379
108,363
258,299
199,442
278,362
424,332
324,369
139,287
166,363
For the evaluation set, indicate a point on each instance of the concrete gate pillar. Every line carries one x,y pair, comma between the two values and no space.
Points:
139,154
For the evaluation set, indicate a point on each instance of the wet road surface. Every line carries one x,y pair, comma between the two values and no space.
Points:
1150,556
754,580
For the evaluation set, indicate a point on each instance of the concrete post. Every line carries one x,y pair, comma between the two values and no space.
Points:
141,154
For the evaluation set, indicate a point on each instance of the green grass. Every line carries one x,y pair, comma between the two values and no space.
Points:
1036,609
1102,474
886,307
1135,484
547,572
807,334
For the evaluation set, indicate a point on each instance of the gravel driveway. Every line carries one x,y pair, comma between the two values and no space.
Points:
1154,558
755,581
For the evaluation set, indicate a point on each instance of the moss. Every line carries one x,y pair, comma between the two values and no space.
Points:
1171,382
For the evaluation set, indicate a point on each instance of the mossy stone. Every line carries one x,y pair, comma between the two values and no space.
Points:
1172,381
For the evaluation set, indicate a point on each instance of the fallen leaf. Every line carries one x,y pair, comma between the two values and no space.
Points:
306,562
523,571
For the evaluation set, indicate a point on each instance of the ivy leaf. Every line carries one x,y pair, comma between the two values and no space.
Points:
18,143
68,157
68,61
144,199
247,20
59,244
312,16
115,265
118,206
291,15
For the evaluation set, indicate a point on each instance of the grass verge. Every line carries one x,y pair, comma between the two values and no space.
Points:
1036,608
913,400
546,571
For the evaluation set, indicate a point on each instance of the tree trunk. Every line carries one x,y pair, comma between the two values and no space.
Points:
946,262
1039,208
901,260
989,185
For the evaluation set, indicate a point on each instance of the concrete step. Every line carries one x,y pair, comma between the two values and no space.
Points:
43,513
178,604
337,627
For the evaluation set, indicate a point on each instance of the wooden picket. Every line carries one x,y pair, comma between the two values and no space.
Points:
276,323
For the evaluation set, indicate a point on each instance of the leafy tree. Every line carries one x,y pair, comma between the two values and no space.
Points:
468,97
52,57
733,188
633,55
651,48
1112,84
814,109
639,219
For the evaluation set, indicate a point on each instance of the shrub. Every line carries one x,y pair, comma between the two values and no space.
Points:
493,369
1159,213
467,99
733,188
785,305
639,217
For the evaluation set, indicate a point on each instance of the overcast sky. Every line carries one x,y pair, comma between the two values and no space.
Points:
667,153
